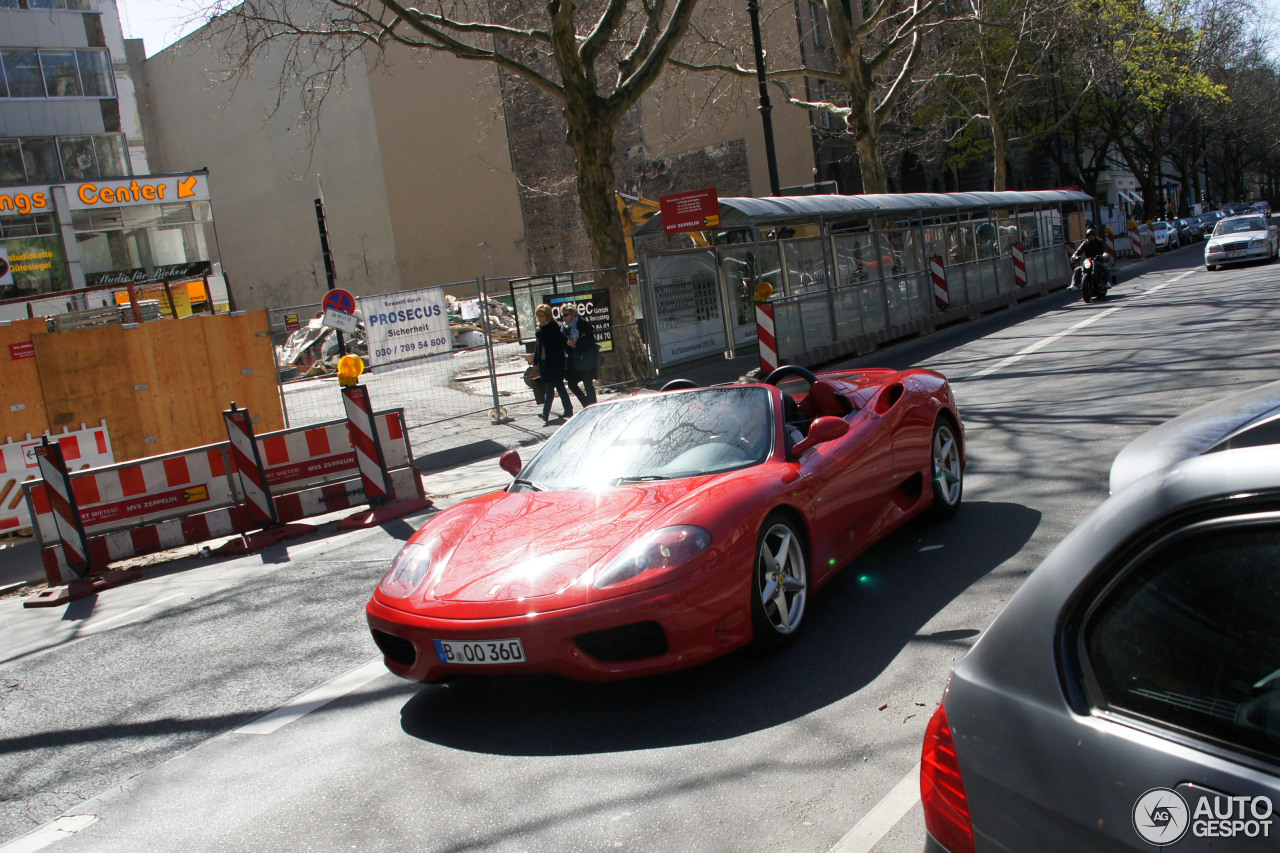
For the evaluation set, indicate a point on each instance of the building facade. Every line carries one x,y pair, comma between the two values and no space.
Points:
433,170
80,213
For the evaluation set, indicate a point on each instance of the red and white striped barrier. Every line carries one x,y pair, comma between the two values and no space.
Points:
1111,244
364,440
1019,265
938,273
192,496
247,462
66,515
767,337
82,448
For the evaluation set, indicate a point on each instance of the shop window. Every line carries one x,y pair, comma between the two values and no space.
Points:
11,168
95,72
77,157
113,160
22,71
140,215
61,73
170,213
41,159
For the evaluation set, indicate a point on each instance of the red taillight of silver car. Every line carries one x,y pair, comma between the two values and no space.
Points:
946,809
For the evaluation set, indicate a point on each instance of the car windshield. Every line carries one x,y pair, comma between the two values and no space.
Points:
1239,226
656,437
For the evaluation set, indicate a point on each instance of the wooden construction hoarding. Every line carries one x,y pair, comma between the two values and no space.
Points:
160,386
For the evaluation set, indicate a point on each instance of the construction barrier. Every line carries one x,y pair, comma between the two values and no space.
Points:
1019,265
938,272
83,448
63,510
185,498
766,337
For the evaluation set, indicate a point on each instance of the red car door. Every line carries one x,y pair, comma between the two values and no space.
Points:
847,482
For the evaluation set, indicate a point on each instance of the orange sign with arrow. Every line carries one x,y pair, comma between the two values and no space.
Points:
144,189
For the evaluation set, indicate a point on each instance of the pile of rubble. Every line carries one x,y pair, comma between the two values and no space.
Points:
470,319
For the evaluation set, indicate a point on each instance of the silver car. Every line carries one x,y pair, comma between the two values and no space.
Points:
1238,239
1128,697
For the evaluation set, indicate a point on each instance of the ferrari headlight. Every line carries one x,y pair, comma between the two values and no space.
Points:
662,550
409,568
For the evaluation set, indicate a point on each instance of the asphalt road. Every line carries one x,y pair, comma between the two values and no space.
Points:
149,718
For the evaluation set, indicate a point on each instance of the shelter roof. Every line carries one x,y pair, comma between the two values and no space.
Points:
808,208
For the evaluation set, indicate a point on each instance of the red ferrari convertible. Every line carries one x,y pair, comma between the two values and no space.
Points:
664,529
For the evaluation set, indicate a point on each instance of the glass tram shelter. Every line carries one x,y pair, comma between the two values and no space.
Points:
851,272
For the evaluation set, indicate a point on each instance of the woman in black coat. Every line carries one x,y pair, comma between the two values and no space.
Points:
549,358
583,353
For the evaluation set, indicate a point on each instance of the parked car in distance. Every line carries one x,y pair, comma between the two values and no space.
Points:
1260,207
1190,229
1132,684
1165,235
1239,239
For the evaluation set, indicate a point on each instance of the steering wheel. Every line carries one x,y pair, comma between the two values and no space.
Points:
678,384
790,370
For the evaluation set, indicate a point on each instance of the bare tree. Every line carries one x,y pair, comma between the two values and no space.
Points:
875,48
595,60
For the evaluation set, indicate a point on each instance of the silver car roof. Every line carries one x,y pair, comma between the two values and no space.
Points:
1193,433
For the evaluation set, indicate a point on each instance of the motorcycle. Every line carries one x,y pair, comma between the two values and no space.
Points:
1095,280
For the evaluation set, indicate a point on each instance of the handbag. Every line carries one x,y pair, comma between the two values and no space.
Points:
533,378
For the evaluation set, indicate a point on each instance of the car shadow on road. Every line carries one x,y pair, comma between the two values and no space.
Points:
855,629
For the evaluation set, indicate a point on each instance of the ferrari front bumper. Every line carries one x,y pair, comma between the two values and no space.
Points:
700,619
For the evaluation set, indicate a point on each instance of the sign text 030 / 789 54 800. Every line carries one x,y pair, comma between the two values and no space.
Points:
405,326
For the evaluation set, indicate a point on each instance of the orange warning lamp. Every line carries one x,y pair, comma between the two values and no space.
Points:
349,369
763,291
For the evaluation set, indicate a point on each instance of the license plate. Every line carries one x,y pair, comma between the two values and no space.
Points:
1236,254
480,651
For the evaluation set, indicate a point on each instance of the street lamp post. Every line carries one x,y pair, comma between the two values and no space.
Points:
766,109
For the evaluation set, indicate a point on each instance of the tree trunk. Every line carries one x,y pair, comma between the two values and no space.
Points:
591,136
999,153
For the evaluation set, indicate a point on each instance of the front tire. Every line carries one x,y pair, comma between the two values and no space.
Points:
947,470
780,590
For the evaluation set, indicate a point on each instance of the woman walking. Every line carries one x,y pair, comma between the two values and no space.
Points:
549,358
582,352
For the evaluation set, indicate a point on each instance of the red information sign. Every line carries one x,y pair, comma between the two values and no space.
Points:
291,323
22,350
696,210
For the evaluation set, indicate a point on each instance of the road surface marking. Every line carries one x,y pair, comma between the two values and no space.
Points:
318,698
1043,342
51,833
867,832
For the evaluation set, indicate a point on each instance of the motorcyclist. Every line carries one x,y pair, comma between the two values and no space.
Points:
1092,246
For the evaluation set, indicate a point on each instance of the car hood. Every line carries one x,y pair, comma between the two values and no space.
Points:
1193,433
1240,236
515,546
